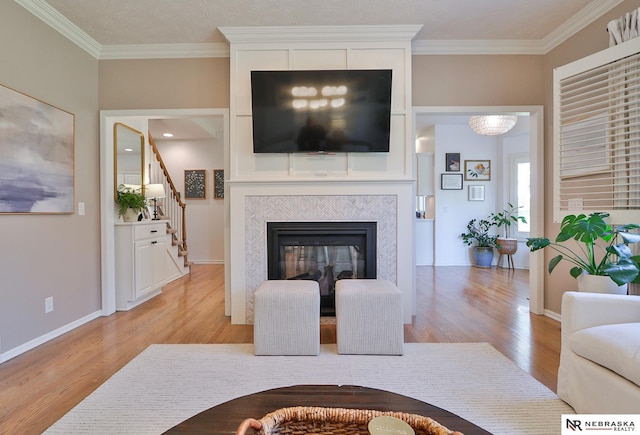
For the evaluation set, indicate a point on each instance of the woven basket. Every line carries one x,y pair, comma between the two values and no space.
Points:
334,421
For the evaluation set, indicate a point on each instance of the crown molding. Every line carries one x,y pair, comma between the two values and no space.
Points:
583,18
288,34
164,51
392,33
579,21
60,23
493,46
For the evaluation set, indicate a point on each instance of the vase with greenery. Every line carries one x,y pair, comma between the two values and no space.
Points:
600,249
130,198
483,242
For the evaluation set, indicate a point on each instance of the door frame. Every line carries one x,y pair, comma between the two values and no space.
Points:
536,152
108,213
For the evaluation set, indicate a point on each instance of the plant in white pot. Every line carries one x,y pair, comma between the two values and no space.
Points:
602,259
478,236
504,220
131,201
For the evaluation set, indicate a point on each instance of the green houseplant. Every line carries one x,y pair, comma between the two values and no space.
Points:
130,198
505,219
478,236
602,250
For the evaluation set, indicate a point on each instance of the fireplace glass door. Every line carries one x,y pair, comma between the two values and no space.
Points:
324,252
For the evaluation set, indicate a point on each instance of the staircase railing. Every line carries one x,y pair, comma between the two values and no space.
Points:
172,205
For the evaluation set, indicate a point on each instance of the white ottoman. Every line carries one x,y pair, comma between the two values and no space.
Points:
369,317
287,318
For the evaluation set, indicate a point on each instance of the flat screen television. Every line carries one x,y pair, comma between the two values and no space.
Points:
321,111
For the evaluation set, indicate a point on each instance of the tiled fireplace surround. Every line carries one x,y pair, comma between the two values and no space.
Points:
259,210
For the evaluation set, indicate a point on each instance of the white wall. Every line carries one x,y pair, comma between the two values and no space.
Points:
453,210
205,217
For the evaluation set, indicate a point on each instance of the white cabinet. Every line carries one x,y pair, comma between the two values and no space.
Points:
140,259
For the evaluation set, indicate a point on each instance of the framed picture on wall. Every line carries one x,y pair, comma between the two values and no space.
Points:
476,193
195,184
37,155
451,181
477,170
218,183
452,162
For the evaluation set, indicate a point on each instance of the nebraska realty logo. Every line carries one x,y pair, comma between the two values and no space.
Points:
600,422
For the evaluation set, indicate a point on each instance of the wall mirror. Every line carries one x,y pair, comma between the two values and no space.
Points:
128,161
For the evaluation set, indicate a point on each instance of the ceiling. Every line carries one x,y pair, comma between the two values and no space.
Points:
111,29
104,27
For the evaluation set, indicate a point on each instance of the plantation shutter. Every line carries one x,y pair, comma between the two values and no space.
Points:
597,134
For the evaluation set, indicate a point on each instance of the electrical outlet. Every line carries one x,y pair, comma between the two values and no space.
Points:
48,304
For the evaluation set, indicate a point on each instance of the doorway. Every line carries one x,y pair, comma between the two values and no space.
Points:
139,118
536,154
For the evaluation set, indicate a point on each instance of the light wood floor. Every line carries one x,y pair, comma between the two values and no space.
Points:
454,304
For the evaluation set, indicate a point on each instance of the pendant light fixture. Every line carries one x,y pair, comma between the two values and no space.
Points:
492,125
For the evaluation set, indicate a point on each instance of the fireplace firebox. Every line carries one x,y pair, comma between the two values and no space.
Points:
322,251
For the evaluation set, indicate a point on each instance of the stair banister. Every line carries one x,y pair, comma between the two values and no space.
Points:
175,208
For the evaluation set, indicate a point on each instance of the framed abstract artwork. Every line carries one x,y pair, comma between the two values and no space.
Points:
195,184
36,156
218,183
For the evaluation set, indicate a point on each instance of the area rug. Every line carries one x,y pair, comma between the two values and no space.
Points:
166,384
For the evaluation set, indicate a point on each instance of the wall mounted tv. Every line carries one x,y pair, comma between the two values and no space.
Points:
321,111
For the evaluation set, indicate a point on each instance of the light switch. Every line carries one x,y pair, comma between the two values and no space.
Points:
81,208
575,204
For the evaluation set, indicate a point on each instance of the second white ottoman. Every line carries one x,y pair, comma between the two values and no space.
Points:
369,317
287,318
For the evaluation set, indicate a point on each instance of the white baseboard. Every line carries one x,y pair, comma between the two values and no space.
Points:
208,261
553,315
6,356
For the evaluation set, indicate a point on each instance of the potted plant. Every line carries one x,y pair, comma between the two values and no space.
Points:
604,255
131,202
504,219
478,236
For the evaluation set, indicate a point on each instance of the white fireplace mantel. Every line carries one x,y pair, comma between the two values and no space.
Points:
381,34
340,187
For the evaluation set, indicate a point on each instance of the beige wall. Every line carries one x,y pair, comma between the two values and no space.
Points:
50,255
477,80
164,84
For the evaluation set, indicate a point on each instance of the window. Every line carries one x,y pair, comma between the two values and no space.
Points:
520,191
597,134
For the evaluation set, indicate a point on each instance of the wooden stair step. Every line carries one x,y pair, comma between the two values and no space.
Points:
171,230
182,253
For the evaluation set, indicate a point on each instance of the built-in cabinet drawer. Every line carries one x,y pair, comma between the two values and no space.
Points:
140,259
141,232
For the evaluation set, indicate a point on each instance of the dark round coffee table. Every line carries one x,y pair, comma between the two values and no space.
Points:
226,417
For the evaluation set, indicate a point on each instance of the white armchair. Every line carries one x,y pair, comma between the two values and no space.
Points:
600,355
